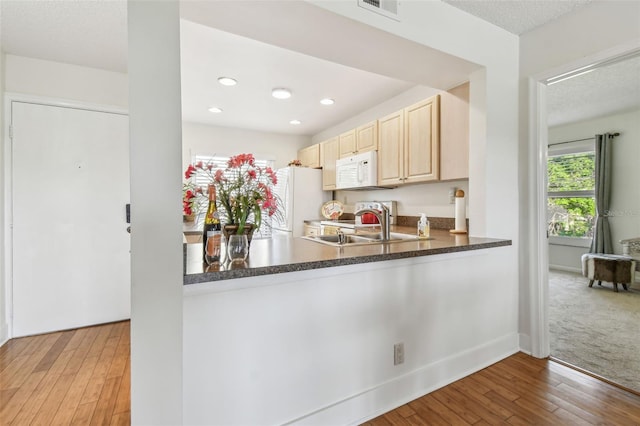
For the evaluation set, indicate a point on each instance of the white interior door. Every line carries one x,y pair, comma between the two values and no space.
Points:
70,184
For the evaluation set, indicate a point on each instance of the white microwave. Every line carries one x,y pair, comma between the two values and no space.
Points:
357,171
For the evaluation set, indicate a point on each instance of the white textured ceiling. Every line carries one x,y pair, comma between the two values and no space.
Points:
89,33
516,16
94,34
603,91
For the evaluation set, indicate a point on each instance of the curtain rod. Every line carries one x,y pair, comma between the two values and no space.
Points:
611,136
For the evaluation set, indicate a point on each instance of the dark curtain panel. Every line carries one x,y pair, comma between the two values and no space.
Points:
601,242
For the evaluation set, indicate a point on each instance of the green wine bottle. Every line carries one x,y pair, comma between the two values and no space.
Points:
212,232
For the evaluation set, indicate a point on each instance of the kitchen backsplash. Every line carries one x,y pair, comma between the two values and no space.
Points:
412,221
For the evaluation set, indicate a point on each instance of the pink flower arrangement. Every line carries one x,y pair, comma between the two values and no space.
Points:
243,190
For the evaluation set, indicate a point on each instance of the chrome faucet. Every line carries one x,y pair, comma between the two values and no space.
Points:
383,219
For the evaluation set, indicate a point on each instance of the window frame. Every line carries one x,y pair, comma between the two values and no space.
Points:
561,149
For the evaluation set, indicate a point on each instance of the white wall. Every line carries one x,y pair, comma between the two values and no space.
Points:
594,32
411,96
316,347
208,140
64,81
156,239
429,198
4,328
625,195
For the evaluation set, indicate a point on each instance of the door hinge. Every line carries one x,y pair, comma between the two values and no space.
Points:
10,131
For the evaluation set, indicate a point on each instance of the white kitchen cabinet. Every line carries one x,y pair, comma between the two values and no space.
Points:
408,144
328,157
310,156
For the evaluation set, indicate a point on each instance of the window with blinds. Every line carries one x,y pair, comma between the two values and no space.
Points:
220,163
571,192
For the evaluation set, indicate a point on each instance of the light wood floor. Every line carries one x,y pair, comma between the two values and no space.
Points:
82,377
78,377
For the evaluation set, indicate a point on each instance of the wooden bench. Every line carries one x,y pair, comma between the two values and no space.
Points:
616,269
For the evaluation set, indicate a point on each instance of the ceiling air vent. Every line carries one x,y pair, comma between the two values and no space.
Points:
388,8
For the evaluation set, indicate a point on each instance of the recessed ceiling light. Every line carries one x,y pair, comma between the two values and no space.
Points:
295,122
227,81
327,101
281,93
215,110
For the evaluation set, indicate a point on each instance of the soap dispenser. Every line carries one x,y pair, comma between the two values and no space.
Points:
423,226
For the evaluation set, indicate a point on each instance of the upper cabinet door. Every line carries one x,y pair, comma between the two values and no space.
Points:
454,133
391,149
422,141
310,156
367,137
347,144
328,157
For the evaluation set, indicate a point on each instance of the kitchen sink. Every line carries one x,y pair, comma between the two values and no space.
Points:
360,239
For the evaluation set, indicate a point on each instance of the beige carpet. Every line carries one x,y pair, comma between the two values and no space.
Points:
595,328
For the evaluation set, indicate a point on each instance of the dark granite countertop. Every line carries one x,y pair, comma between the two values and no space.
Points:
285,254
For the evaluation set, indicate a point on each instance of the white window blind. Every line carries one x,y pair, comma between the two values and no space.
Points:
220,163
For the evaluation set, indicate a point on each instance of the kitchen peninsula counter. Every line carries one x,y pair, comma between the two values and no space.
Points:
284,254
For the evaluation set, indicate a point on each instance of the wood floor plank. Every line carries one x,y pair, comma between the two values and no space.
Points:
442,410
29,411
416,421
71,401
16,347
31,358
121,419
519,411
405,410
446,399
426,414
123,403
50,406
11,407
54,352
395,418
569,418
106,403
467,390
471,406
84,413
99,375
593,386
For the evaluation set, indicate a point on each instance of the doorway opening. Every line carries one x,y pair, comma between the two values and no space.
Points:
592,328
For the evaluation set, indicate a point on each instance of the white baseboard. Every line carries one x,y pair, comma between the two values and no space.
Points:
387,396
565,268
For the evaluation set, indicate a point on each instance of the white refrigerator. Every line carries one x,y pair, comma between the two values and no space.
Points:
300,192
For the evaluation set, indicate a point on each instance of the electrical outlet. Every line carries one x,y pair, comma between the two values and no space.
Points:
452,195
398,353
